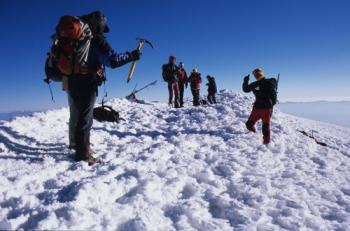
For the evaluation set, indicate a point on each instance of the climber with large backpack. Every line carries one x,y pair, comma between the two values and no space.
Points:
265,91
170,73
78,57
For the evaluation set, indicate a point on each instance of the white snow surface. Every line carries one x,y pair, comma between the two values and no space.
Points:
194,168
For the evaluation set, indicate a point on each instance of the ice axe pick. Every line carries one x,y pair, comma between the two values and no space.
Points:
140,43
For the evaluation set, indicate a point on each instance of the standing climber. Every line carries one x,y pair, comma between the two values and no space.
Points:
170,75
265,98
195,81
182,82
212,89
80,53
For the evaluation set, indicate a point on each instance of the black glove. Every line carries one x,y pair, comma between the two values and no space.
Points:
246,78
135,55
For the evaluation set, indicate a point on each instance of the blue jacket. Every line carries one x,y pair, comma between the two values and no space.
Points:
101,54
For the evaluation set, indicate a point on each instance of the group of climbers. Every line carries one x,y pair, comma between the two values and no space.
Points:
177,80
79,55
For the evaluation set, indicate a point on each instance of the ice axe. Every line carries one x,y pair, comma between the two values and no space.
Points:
140,43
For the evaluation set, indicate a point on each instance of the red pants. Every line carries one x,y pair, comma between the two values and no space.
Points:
173,89
265,116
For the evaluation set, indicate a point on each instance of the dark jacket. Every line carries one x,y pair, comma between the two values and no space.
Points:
212,89
195,80
265,94
170,72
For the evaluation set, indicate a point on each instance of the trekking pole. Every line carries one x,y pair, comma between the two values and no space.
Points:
51,92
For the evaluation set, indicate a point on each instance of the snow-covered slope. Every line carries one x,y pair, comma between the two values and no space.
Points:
167,169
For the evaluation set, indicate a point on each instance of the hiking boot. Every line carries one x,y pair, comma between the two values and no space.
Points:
250,126
90,160
72,147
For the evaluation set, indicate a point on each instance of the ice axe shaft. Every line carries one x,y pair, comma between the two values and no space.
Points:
141,41
133,65
150,84
134,92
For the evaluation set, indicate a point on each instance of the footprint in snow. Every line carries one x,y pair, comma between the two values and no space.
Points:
321,163
188,191
127,197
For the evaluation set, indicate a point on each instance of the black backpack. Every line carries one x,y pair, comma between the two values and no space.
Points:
106,114
273,90
97,22
165,76
169,74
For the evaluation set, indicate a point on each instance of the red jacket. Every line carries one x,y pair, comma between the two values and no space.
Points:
182,76
195,80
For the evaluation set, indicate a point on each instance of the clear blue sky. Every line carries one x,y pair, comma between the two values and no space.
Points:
308,42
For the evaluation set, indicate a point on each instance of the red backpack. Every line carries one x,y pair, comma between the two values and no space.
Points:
70,49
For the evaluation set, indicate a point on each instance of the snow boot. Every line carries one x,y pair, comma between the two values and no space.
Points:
72,147
250,126
90,160
176,103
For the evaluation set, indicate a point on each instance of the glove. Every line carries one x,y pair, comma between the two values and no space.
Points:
246,78
135,55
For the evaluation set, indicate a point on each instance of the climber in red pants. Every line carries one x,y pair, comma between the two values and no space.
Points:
265,91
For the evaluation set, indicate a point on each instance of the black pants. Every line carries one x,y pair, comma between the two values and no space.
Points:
211,97
181,89
82,91
195,94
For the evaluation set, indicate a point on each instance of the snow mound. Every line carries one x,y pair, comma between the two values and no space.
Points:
195,168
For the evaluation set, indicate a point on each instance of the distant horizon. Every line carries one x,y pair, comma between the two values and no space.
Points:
55,105
315,100
333,112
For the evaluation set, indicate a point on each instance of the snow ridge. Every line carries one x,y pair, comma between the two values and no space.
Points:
167,169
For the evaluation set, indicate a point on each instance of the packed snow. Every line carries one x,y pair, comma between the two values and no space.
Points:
194,168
